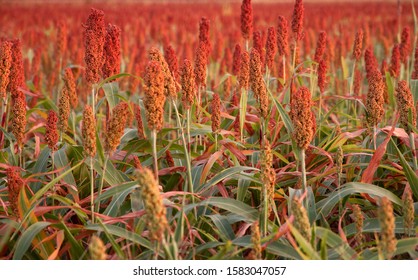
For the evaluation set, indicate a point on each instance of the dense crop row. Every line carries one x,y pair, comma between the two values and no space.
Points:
209,131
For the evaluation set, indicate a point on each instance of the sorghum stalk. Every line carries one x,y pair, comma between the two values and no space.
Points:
216,117
243,82
268,179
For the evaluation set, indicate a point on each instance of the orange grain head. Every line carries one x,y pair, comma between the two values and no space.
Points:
5,65
51,130
112,59
94,39
88,131
406,107
304,124
154,95
187,84
246,19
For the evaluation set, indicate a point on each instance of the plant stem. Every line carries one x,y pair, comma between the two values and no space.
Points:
186,152
413,150
154,153
93,101
303,169
99,192
92,190
374,137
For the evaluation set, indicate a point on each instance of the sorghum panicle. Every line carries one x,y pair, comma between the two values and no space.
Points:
387,242
395,62
19,117
301,221
171,58
154,208
63,110
320,46
17,74
187,84
406,106
169,83
154,95
70,86
94,39
14,185
282,37
257,83
405,46
271,47
244,74
97,249
200,65
112,60
115,126
236,65
51,131
256,241
5,65
302,117
359,220
358,45
375,98
408,210
88,131
322,74
297,20
246,19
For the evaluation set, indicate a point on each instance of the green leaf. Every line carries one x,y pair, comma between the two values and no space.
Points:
338,247
222,224
123,233
61,162
372,225
233,206
76,250
391,90
40,167
116,190
26,239
409,173
227,173
114,77
111,91
326,205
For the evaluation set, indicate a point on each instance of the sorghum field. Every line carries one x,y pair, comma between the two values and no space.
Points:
208,131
